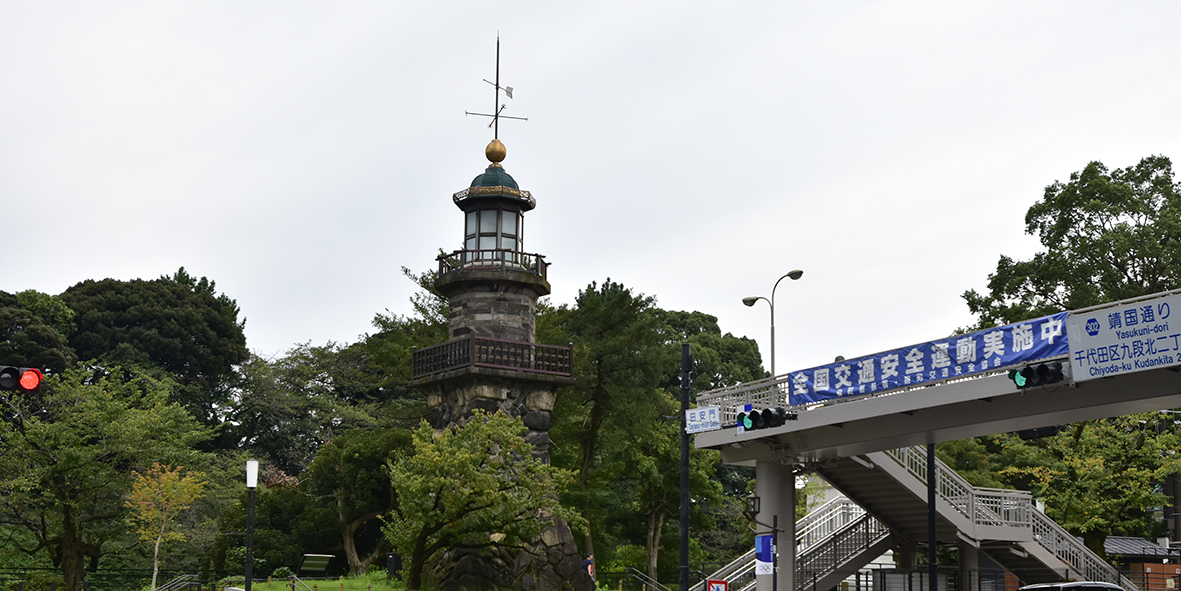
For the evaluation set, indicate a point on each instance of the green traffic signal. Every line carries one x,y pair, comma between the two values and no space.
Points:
764,419
1018,378
1032,376
745,421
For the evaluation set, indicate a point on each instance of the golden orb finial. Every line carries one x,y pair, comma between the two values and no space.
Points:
495,152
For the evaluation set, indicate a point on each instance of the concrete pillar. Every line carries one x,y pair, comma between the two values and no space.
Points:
776,487
905,557
969,567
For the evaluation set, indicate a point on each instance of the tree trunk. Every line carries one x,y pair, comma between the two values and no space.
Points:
357,565
72,549
652,545
156,560
589,446
414,578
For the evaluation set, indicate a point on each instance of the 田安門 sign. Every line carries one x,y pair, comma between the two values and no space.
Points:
1125,339
704,418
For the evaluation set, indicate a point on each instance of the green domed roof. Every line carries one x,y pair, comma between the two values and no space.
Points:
495,176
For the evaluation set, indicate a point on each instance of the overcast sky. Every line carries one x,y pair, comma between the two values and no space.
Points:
300,153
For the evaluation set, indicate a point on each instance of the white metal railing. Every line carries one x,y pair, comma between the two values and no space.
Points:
824,558
1007,508
983,506
815,528
820,524
1070,550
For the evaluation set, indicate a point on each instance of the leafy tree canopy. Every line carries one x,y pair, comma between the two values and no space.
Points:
471,486
1107,235
350,473
175,323
27,339
67,458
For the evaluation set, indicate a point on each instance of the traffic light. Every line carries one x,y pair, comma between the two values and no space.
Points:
21,379
765,418
1032,376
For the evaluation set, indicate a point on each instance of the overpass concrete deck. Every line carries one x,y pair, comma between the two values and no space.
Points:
947,411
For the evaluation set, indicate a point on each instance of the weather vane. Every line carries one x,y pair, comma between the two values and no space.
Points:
497,107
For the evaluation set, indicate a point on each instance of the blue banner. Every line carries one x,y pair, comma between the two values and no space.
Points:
764,551
952,357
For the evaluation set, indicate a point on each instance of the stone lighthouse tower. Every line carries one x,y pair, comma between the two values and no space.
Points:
491,362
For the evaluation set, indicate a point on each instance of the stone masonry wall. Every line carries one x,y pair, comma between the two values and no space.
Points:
553,562
504,314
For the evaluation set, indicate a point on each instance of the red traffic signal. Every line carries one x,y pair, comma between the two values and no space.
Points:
21,379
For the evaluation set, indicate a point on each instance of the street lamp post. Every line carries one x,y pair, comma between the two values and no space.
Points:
750,301
251,484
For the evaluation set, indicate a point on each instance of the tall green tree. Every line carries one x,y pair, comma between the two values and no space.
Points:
652,466
620,357
473,486
1106,235
177,324
719,360
67,458
350,473
27,339
1103,477
286,408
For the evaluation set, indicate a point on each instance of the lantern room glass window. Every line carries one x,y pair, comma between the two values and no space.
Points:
491,230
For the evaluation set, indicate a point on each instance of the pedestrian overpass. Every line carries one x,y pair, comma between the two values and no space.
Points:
863,446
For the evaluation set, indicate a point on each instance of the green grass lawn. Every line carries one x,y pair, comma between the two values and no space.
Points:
371,582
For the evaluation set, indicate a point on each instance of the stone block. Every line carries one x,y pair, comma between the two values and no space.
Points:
554,555
556,536
537,420
567,567
541,400
582,581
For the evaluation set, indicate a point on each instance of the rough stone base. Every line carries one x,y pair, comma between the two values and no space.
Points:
454,402
553,564
549,564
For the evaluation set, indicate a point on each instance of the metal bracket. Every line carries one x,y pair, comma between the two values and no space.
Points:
782,454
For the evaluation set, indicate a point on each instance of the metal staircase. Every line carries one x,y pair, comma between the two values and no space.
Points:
886,507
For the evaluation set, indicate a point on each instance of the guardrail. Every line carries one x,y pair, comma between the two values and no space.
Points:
845,543
1007,508
499,258
814,528
1070,550
983,506
492,353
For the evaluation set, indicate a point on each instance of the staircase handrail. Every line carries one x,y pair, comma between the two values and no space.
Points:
177,583
297,585
645,579
982,506
992,506
845,543
1069,549
820,524
813,528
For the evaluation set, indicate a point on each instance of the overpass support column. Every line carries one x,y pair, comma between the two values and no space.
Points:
776,486
969,567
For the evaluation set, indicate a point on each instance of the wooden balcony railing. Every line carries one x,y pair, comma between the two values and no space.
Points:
464,260
492,353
